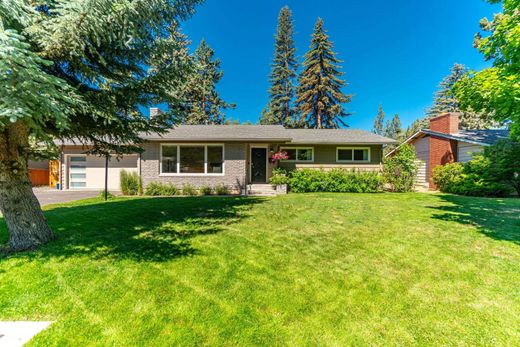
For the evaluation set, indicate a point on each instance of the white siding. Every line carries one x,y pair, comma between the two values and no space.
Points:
465,151
422,151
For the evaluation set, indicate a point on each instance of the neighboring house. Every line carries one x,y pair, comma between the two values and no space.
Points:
445,143
233,155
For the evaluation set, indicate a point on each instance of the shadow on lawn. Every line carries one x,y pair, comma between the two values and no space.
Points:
495,218
155,229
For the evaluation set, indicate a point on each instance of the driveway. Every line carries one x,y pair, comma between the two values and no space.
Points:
52,196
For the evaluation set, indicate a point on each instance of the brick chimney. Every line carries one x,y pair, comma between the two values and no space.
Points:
442,150
447,123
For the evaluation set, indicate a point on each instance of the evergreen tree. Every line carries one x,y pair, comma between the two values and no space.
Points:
280,109
393,128
445,100
379,121
79,69
320,99
203,103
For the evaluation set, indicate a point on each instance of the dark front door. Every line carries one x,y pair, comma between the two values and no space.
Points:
258,165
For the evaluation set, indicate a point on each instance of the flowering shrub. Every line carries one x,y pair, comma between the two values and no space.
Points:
281,155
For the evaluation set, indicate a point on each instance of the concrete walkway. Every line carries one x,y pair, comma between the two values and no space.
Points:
52,196
17,334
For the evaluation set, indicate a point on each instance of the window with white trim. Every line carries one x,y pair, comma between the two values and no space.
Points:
192,159
353,155
301,154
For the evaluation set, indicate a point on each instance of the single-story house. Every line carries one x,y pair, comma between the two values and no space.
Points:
233,155
445,143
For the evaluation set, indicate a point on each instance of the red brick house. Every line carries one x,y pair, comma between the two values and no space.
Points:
445,143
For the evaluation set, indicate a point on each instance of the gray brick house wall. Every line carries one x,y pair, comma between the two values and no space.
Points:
234,177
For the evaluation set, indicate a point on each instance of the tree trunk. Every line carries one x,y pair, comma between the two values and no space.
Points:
21,210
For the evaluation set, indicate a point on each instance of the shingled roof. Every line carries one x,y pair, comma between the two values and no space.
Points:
275,133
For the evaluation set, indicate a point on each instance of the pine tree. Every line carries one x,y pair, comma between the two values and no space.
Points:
379,121
445,100
393,128
320,99
79,69
203,103
280,109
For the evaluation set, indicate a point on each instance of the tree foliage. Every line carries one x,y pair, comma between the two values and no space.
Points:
496,90
281,109
79,70
400,169
320,98
379,121
393,128
203,104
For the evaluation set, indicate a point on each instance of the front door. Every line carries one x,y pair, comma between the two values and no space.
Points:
258,165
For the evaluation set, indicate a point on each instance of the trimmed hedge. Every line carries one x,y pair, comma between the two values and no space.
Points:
336,181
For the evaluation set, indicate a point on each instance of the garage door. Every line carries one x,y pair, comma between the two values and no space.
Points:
88,172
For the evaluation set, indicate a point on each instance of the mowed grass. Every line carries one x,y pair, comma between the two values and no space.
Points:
309,269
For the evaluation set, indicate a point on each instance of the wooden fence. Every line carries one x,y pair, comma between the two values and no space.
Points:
39,177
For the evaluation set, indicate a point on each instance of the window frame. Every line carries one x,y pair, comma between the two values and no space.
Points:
205,145
283,148
369,149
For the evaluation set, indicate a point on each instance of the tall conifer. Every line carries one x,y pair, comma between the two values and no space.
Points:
280,109
379,121
320,99
203,102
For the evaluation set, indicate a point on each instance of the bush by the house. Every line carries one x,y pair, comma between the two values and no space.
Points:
336,180
160,189
399,170
504,158
221,189
206,190
471,178
130,183
188,189
279,176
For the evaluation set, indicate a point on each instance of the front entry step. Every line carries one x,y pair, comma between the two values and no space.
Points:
261,190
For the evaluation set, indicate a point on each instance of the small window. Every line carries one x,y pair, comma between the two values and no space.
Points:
192,159
352,154
344,154
169,159
78,159
299,154
215,159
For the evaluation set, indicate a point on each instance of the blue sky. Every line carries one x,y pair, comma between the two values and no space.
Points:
394,52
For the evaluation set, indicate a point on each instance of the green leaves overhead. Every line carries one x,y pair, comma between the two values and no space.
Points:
87,65
28,93
320,99
496,90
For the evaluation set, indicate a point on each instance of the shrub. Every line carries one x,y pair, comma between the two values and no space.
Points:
504,159
101,195
188,189
336,180
160,189
130,183
221,189
471,178
206,190
279,176
400,170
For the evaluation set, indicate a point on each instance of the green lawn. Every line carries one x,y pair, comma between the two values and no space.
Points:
309,269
